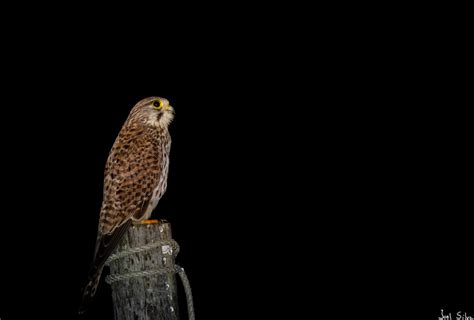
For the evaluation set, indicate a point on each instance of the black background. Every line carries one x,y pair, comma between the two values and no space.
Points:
225,177
342,170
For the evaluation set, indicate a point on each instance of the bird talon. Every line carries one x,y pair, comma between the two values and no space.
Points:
152,221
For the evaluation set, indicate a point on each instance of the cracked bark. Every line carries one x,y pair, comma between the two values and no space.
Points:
148,297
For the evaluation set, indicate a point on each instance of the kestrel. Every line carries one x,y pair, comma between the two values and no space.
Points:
135,179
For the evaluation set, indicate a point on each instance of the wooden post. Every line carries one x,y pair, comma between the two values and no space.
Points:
152,296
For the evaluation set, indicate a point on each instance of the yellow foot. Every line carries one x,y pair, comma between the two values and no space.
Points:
147,222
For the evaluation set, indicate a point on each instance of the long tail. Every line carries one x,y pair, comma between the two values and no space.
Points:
106,243
90,289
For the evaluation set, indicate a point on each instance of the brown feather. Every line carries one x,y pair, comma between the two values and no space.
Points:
134,179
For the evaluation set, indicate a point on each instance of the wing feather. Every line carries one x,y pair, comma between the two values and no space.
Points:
132,173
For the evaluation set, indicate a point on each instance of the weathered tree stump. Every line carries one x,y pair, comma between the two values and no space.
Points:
144,283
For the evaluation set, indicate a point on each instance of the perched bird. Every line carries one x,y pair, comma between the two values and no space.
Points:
135,179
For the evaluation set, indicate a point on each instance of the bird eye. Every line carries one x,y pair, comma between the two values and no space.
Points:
157,104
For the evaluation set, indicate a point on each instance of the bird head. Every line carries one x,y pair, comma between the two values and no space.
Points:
153,111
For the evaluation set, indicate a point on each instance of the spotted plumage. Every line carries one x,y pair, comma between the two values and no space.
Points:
134,181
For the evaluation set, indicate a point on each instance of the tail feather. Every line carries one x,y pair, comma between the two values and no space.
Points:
106,244
89,290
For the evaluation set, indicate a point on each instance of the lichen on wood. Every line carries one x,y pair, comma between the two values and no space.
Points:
146,297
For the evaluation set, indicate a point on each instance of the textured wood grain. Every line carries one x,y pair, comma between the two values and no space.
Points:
150,297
